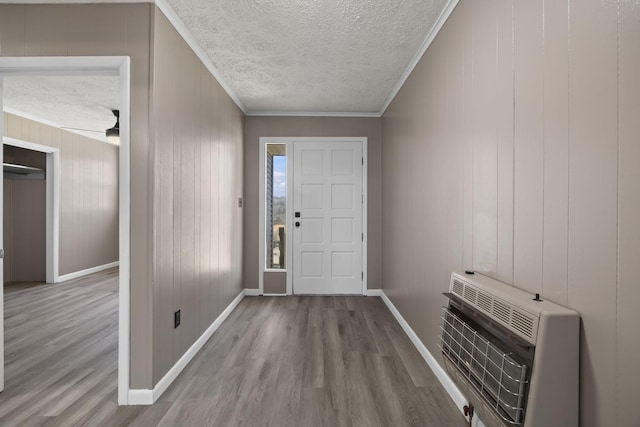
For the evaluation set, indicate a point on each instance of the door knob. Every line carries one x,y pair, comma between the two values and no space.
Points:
297,223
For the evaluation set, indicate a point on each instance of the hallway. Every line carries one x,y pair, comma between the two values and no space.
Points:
309,361
294,361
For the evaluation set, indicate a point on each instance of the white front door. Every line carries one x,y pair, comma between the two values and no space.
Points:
327,205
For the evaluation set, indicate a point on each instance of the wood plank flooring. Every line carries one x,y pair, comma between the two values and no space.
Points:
61,350
280,361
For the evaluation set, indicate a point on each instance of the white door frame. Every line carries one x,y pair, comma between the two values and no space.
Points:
289,221
52,178
93,65
262,227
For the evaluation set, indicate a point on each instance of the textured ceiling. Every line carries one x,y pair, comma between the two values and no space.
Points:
275,57
315,56
81,103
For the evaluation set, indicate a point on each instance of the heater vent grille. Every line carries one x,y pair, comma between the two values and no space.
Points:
522,323
513,356
501,311
509,315
458,287
493,372
470,294
485,302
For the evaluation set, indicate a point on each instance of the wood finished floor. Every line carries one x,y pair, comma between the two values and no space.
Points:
293,361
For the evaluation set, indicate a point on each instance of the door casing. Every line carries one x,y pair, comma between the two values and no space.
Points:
89,65
289,141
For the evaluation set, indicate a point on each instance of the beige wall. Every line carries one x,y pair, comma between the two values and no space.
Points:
24,234
274,282
513,150
105,29
186,236
198,180
256,127
88,193
24,227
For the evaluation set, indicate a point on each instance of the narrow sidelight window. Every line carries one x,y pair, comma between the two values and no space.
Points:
276,205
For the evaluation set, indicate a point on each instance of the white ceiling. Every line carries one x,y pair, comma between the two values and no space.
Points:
80,103
293,57
310,56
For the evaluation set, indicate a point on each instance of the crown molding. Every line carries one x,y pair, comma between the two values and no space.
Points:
437,26
177,23
70,1
308,114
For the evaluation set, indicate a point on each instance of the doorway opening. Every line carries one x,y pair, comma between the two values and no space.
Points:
31,211
89,66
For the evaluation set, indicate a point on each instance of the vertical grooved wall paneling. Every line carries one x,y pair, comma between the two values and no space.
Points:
593,202
197,222
528,146
628,334
88,193
505,139
92,30
533,107
556,150
455,150
467,137
484,139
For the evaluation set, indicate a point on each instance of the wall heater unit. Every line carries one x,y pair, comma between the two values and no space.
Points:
513,355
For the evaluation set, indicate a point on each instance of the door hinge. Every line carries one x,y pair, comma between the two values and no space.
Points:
362,158
362,237
362,201
362,275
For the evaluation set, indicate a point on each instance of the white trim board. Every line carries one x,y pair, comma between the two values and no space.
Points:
87,271
191,41
437,26
251,292
2,246
149,397
309,114
456,395
262,215
96,65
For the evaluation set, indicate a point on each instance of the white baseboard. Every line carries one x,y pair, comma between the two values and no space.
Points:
252,292
374,292
456,395
140,397
148,397
86,272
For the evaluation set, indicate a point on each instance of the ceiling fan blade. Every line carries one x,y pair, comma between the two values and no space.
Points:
84,130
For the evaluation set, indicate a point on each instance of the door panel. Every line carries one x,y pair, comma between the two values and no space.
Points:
327,191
